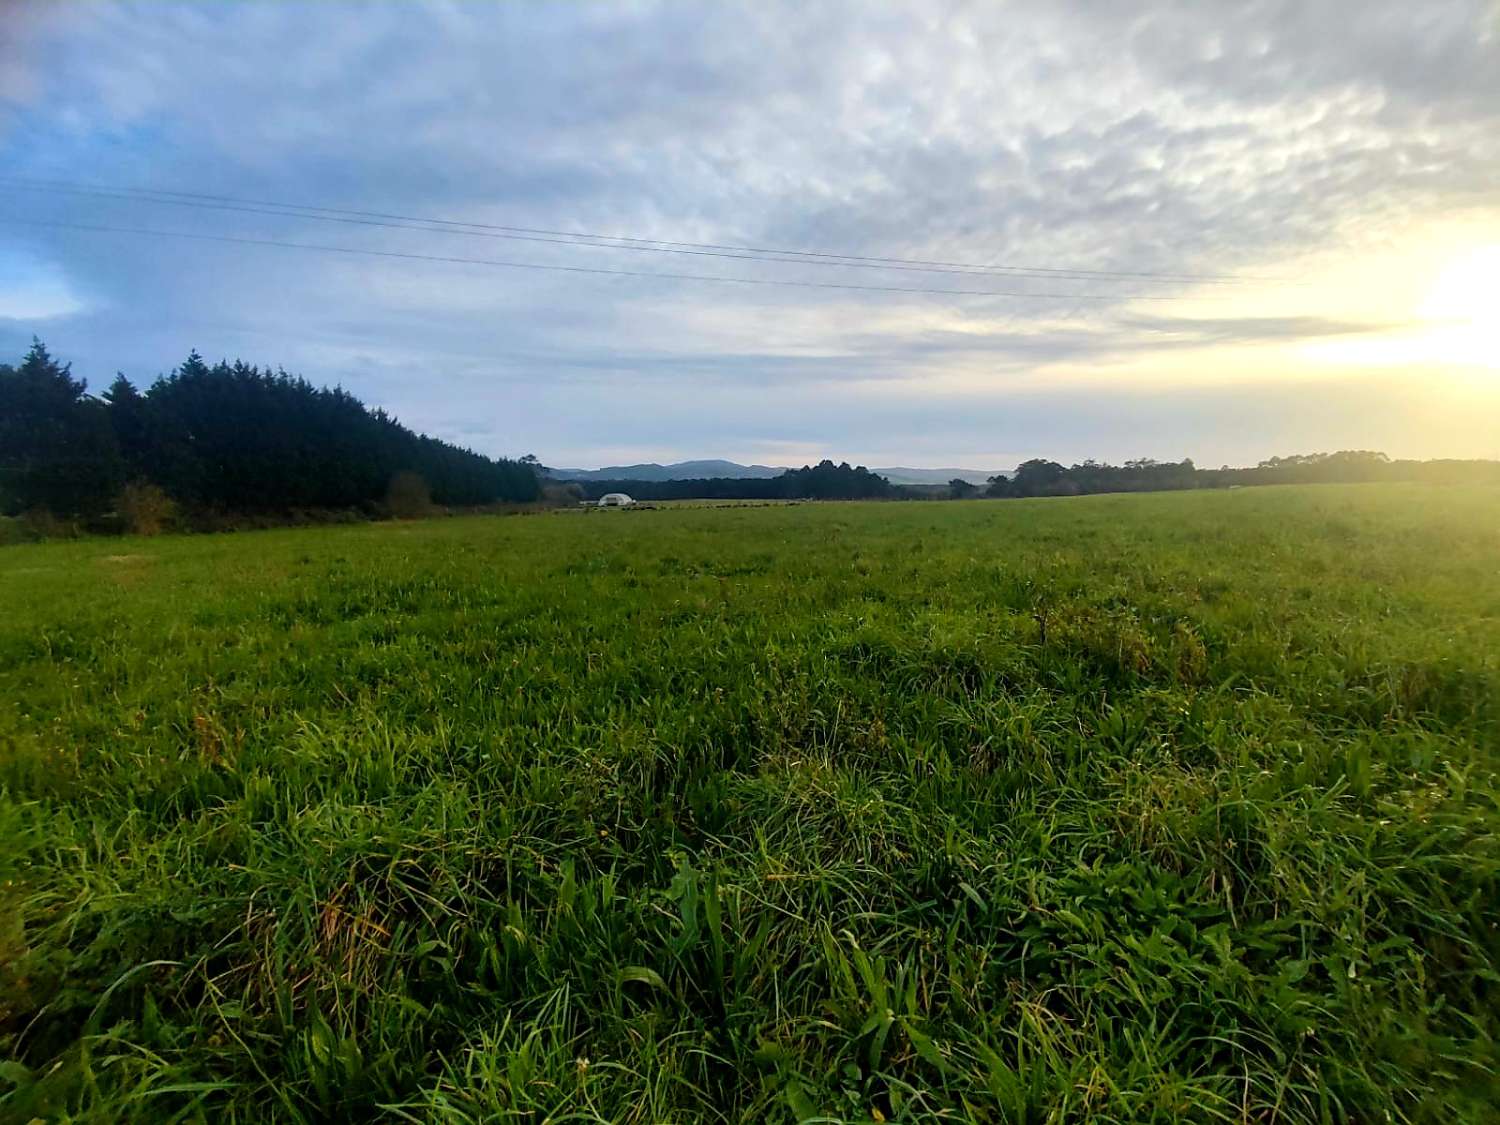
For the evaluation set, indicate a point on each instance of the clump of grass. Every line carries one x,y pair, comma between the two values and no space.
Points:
1115,808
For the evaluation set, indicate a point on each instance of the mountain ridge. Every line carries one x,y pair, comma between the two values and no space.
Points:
679,470
704,469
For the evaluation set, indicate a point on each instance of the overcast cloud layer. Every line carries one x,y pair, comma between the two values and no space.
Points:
1338,152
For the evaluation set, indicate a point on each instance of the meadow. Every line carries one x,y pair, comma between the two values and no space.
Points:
1173,806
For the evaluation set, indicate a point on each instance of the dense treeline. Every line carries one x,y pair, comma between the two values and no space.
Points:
823,481
58,450
1353,466
228,438
1040,477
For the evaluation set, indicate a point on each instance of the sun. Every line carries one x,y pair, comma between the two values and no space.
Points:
1454,323
1467,289
1463,309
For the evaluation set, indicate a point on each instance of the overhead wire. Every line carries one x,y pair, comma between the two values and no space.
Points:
612,242
593,270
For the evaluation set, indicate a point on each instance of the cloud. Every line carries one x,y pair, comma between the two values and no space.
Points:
32,293
1167,137
1205,331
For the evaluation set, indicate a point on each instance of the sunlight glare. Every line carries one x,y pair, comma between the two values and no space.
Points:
1467,289
1463,305
1460,317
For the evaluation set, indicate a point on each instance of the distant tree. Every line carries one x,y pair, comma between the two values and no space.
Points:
1037,477
1048,478
960,489
823,481
827,481
1306,468
57,449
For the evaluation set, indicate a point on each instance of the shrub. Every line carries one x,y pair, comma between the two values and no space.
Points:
13,530
42,524
562,494
408,497
146,508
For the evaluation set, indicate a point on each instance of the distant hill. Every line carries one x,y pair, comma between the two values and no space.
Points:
704,470
682,470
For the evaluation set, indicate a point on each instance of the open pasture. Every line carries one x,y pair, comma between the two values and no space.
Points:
1179,806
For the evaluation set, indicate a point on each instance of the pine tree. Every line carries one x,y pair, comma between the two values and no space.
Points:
57,449
127,416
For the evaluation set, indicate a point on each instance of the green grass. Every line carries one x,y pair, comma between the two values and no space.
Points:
1162,807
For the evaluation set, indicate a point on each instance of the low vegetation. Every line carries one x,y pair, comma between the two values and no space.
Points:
1169,807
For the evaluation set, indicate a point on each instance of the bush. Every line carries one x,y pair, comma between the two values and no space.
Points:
146,508
42,524
408,497
13,530
562,494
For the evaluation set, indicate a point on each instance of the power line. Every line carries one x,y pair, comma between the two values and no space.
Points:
506,264
566,238
606,241
283,211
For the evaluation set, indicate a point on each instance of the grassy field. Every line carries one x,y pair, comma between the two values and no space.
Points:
1159,807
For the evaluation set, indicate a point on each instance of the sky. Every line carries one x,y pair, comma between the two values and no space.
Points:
1217,231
